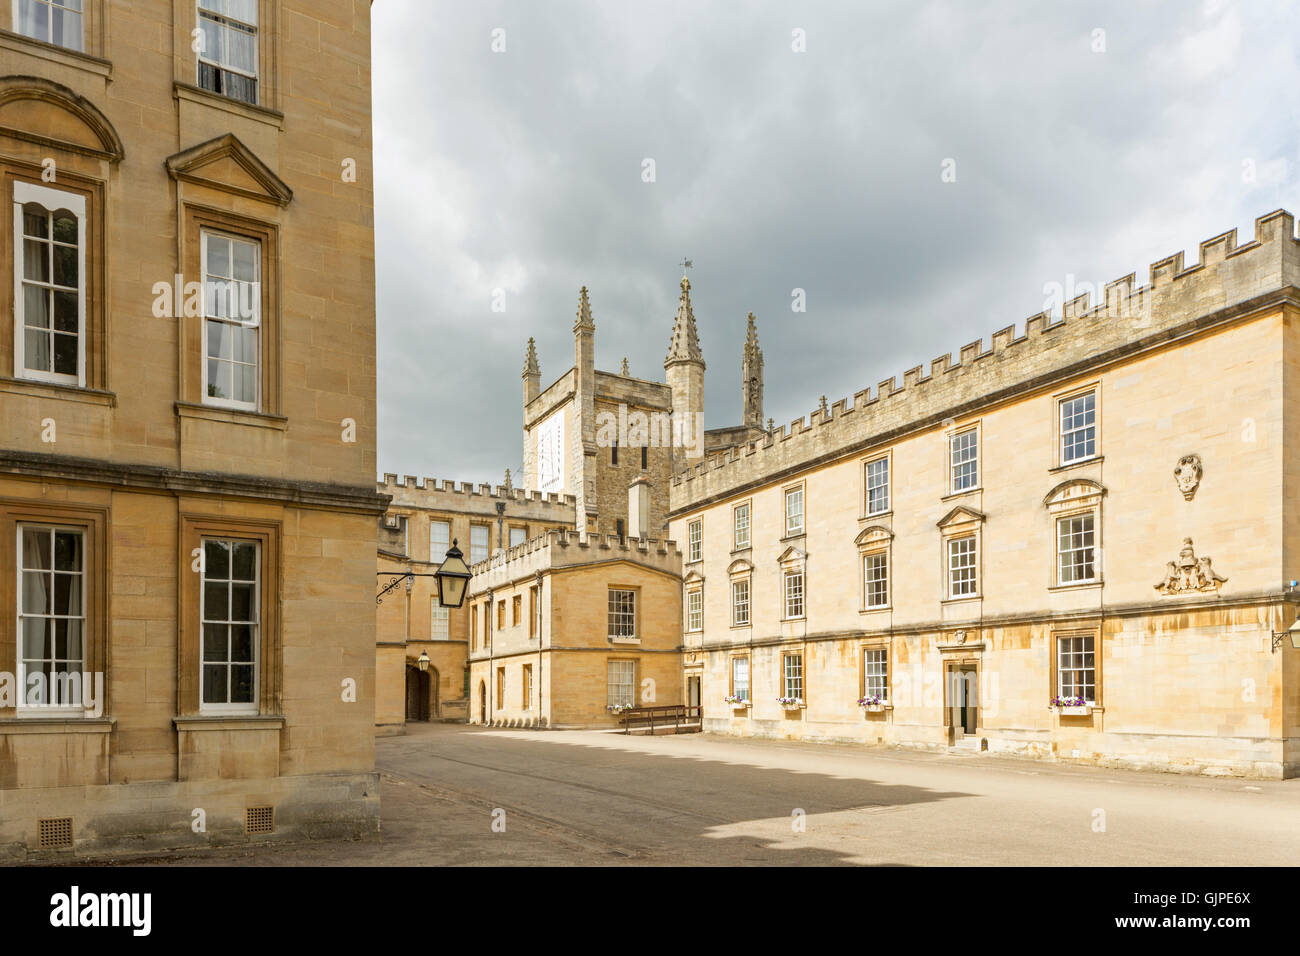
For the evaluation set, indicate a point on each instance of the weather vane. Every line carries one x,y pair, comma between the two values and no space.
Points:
686,264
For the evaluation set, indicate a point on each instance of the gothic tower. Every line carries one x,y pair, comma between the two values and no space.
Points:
751,379
684,371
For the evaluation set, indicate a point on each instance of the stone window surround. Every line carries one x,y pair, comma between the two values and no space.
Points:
949,436
887,456
876,539
961,522
93,523
270,673
1054,651
874,644
738,571
93,340
1070,498
748,505
185,20
1065,395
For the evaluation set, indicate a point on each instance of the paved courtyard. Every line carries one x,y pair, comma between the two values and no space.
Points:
593,798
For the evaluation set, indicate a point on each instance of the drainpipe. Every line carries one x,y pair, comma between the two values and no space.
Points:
540,618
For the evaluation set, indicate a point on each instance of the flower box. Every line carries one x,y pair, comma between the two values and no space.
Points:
873,705
790,703
618,709
737,703
1070,706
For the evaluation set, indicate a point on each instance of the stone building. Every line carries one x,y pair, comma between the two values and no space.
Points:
567,625
187,425
1076,543
422,522
595,435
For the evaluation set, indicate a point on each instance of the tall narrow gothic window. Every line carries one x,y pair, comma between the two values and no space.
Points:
50,304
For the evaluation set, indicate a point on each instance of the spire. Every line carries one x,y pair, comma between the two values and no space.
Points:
530,360
751,378
685,343
585,321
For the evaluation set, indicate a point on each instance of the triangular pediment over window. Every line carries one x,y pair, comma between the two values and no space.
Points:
693,578
792,555
227,164
960,515
49,114
876,534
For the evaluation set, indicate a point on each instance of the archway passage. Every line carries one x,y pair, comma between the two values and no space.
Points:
417,694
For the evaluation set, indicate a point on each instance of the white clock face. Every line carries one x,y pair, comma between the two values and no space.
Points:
550,454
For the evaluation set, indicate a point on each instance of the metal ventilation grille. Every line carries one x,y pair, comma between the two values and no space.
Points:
259,819
55,833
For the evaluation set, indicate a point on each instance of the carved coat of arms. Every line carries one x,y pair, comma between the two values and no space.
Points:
1188,475
1189,573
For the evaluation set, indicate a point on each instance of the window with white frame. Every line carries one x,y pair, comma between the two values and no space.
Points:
622,613
227,48
793,512
695,610
229,615
875,575
1074,549
1076,667
518,536
50,285
964,458
439,621
232,313
620,683
694,540
875,673
740,677
439,541
1078,428
792,676
961,567
740,602
50,21
478,543
51,616
740,524
793,594
877,473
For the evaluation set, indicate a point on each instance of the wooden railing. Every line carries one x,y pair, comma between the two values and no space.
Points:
678,716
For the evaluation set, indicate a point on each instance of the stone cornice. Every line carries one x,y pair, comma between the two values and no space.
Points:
310,494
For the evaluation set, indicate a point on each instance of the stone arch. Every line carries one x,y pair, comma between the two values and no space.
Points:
25,104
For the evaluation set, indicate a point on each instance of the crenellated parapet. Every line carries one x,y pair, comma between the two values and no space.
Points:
1229,280
467,498
561,549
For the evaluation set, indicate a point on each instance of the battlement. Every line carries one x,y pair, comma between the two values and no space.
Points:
1175,298
408,489
559,549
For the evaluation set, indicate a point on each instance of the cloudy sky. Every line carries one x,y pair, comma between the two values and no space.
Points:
1088,140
